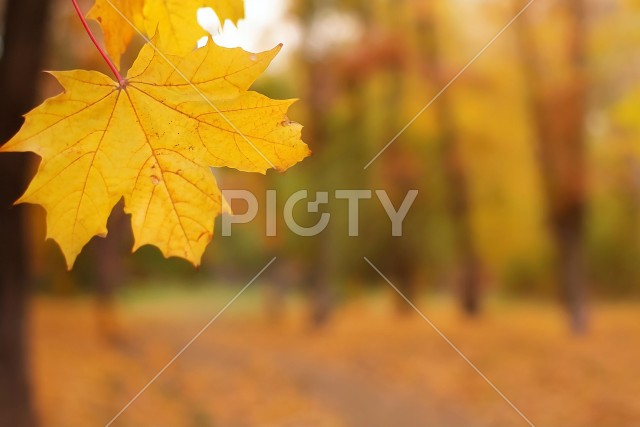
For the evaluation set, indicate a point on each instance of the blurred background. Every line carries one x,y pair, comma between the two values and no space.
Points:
523,246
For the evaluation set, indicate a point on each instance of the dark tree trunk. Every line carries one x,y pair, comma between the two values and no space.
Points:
401,173
319,289
401,262
569,238
468,274
319,263
558,111
110,273
24,36
399,169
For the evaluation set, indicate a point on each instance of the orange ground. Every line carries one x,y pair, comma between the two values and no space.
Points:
368,368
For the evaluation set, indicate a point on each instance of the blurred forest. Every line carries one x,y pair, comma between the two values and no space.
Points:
528,171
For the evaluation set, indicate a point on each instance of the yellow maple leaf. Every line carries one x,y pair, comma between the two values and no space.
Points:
152,141
118,33
175,22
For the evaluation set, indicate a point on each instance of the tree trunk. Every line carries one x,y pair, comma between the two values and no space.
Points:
110,272
468,274
319,288
558,110
569,239
319,262
24,36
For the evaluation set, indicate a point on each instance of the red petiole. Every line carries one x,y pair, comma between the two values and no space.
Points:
104,55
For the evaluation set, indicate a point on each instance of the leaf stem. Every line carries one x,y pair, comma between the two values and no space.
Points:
104,55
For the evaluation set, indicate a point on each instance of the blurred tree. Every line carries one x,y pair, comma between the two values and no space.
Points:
25,28
110,271
558,102
468,274
401,166
319,91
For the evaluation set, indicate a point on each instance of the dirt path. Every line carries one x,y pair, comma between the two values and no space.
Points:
362,403
348,393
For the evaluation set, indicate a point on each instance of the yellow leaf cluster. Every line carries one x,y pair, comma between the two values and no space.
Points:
174,22
153,141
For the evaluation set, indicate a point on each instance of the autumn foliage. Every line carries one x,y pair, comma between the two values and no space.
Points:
152,136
